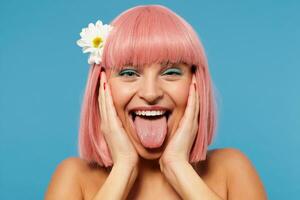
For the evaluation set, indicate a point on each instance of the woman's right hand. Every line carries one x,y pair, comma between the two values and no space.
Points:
121,148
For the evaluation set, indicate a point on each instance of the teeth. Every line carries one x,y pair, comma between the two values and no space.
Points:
150,113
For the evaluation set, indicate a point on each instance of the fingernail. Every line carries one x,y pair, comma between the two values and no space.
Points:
104,85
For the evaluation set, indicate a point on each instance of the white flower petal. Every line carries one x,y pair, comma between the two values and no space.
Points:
88,50
88,35
91,26
99,24
94,59
90,60
81,43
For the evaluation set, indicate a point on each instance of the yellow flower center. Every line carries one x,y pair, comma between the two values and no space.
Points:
97,41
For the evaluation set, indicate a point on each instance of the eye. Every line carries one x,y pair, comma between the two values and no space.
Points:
173,71
127,73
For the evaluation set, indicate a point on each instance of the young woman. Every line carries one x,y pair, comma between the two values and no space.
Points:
148,116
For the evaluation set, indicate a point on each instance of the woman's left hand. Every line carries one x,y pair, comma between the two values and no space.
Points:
179,147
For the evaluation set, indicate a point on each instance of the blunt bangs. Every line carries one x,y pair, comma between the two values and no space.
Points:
151,36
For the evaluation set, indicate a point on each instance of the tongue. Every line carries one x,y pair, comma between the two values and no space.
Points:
151,132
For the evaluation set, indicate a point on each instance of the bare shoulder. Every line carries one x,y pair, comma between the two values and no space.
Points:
68,179
242,179
226,156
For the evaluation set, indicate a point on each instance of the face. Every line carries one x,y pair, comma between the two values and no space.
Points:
153,85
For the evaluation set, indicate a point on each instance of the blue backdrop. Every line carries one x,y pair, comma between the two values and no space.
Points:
252,49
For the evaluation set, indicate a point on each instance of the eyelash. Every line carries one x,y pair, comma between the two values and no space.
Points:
176,72
122,72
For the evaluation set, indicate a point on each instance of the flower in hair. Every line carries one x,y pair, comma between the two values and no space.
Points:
93,40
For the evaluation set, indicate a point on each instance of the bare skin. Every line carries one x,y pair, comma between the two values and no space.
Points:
151,184
228,172
141,174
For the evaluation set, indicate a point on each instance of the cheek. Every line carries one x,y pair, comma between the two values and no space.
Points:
120,95
180,94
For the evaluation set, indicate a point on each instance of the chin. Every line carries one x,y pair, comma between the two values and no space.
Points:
150,154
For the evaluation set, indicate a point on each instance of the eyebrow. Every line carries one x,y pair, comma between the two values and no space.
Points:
168,63
164,65
179,65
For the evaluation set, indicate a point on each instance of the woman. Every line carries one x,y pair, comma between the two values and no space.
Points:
147,118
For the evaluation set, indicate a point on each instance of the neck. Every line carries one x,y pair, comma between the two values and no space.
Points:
149,167
149,175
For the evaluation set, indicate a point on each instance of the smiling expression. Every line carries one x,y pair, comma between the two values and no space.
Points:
165,85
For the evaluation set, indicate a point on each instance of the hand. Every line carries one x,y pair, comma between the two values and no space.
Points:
120,146
179,147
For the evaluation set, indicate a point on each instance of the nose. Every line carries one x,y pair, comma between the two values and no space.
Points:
150,90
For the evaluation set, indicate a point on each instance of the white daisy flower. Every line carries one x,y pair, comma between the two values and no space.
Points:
93,39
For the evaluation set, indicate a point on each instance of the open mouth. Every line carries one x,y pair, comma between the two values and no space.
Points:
166,114
150,130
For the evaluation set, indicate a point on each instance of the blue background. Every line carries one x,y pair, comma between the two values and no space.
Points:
252,49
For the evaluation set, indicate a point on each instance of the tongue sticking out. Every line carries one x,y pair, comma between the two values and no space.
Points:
151,131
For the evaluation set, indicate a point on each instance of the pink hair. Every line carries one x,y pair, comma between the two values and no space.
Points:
144,35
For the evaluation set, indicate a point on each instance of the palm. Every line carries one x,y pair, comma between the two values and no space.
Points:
179,146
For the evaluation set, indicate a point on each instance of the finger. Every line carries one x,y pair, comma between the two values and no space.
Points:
100,99
112,117
197,111
102,103
188,115
112,113
120,141
197,103
190,108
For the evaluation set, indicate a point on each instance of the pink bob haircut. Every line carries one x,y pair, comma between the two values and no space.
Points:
144,35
